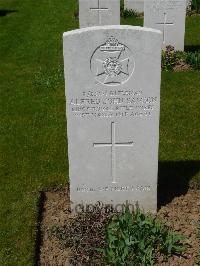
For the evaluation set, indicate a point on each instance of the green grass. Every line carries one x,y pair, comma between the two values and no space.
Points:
192,36
32,121
33,126
179,128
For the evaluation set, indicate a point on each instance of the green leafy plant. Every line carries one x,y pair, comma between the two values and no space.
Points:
193,59
129,13
135,239
172,58
195,6
169,58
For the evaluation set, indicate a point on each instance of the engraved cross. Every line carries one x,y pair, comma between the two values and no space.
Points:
99,10
165,23
113,144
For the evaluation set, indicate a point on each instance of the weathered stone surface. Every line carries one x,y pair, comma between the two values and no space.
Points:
99,12
169,17
112,78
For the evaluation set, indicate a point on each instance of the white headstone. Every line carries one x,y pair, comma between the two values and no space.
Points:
112,76
137,5
169,17
99,12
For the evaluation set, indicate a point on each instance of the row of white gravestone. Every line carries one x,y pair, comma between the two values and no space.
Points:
165,15
104,12
138,5
112,81
99,12
169,17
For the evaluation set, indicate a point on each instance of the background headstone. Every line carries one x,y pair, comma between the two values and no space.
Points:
169,17
99,12
137,5
112,76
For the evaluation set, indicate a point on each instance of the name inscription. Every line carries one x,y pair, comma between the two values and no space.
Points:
113,103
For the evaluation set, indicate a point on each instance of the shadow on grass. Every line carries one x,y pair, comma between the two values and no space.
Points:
192,48
5,12
174,179
38,240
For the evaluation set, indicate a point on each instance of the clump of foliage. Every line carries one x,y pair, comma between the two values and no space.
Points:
130,13
169,58
172,59
193,59
135,239
195,5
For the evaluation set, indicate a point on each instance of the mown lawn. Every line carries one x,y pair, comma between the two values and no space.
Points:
32,116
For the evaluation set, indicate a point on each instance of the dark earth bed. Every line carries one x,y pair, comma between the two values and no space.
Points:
182,214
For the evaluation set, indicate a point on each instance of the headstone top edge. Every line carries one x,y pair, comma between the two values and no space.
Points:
111,27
